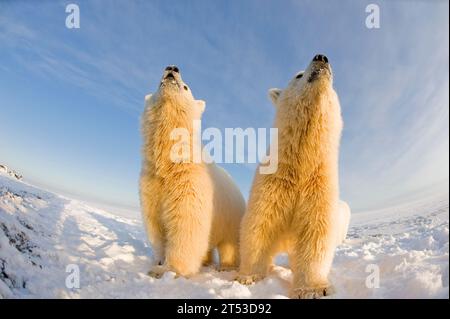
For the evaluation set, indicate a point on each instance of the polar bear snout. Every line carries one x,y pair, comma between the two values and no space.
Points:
171,78
173,68
171,71
319,68
320,58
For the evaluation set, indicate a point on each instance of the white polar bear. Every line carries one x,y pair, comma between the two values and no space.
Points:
189,208
297,208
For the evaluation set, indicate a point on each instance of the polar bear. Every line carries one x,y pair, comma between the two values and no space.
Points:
189,208
297,208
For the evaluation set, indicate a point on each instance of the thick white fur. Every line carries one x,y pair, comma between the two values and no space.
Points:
189,209
297,209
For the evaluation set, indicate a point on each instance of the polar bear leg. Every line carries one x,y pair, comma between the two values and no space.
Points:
311,273
228,255
149,188
344,221
312,256
208,260
187,236
258,230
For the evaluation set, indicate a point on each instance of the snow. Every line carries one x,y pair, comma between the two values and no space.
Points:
4,170
42,233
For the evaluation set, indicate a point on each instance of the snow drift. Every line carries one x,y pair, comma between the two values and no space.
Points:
42,233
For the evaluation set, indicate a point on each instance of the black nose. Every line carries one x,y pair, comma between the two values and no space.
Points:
173,68
320,57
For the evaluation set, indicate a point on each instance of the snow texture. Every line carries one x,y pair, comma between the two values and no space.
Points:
42,234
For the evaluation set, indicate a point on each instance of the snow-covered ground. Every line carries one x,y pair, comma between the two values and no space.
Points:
41,234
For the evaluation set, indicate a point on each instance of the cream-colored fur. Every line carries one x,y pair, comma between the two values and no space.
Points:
189,208
297,209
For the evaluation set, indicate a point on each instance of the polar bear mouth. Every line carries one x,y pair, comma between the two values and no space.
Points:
169,80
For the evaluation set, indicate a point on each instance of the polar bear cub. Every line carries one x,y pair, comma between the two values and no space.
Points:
297,208
189,208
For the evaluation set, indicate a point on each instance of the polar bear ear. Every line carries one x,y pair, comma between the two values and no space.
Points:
274,94
200,105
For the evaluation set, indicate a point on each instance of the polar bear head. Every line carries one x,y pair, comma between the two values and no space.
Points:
174,92
315,79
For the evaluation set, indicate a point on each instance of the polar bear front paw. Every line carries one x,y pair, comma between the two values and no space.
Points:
157,271
248,279
311,293
226,268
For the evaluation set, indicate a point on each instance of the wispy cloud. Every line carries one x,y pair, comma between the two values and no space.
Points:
392,82
396,135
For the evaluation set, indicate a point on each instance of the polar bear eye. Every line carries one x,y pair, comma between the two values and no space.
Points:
299,76
186,88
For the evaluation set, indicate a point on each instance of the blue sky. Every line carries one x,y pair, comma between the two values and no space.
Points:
71,98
